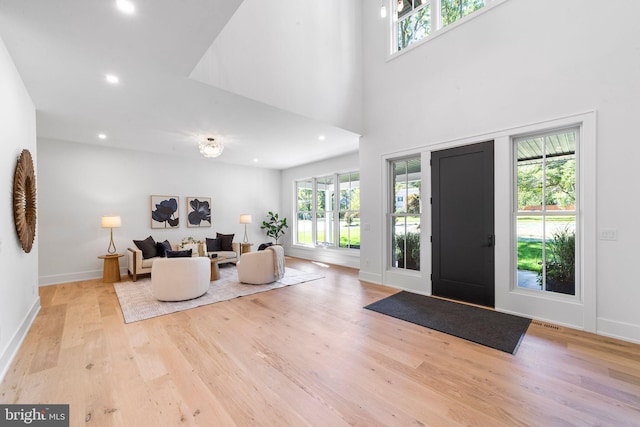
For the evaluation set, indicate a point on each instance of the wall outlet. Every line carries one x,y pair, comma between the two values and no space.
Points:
608,234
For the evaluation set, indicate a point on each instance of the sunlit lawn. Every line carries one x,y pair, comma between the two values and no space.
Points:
539,219
305,237
529,254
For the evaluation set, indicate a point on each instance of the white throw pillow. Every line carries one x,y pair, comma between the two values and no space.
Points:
193,247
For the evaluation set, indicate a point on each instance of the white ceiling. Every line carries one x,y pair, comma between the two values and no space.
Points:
64,48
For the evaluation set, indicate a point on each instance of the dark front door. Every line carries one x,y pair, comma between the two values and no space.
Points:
462,215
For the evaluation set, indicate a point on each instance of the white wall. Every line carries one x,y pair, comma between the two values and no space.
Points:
79,183
301,56
19,300
518,64
346,163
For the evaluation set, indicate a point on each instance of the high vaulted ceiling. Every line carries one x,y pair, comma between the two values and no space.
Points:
236,71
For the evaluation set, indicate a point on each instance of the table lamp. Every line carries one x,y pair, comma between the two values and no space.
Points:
111,222
245,219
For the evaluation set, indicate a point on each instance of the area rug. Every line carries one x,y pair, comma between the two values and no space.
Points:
483,326
137,303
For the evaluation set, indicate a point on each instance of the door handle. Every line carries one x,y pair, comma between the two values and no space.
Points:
490,241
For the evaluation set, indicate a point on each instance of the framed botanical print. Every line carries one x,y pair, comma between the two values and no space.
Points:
164,212
198,211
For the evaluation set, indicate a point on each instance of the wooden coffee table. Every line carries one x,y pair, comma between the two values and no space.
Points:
215,270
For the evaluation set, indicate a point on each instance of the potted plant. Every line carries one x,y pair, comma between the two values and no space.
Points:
274,226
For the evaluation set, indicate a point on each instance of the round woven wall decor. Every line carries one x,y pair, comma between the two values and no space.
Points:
24,200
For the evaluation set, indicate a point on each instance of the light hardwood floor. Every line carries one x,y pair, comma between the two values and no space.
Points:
309,354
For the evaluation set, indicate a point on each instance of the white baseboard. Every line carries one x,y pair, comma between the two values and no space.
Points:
620,330
331,256
56,279
9,353
370,277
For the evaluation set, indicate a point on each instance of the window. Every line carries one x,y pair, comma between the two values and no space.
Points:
324,202
405,213
414,21
546,214
304,197
349,210
417,19
452,10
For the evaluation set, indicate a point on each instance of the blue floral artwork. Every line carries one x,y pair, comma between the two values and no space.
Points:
164,212
198,212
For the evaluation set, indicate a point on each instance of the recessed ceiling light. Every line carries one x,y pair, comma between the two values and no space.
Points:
255,160
113,79
321,137
102,136
125,6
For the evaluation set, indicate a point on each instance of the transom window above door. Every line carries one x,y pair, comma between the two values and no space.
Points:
415,20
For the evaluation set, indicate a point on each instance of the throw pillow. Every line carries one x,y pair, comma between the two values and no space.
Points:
179,254
147,246
227,240
264,246
214,245
193,246
163,247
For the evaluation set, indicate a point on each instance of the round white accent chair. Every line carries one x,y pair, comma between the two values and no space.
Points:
262,267
179,279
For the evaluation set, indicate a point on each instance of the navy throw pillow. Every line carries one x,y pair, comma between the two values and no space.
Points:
214,245
147,246
227,240
264,246
179,254
163,247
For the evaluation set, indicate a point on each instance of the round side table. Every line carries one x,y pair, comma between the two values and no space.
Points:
111,272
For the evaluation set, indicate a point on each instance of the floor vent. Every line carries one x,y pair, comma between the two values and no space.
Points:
547,325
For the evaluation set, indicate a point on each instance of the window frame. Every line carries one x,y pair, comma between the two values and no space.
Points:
437,28
339,211
544,213
393,214
314,211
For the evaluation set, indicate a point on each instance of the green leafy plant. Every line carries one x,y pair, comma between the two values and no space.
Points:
189,241
274,226
407,250
561,262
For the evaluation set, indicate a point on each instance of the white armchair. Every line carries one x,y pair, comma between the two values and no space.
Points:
179,279
259,268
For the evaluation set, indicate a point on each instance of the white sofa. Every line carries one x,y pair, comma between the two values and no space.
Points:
179,279
137,265
262,267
